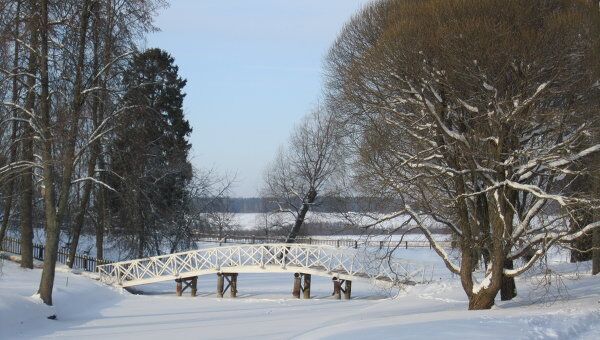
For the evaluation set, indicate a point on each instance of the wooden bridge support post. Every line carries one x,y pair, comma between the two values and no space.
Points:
179,288
233,285
337,288
194,285
220,284
348,290
297,285
306,288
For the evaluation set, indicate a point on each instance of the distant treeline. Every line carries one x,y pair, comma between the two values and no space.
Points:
324,204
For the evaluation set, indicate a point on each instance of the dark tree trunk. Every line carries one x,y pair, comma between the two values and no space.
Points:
13,136
54,215
80,218
52,231
26,202
508,290
596,252
483,300
101,210
308,201
94,150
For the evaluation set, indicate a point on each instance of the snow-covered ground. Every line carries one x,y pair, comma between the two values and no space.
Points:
265,309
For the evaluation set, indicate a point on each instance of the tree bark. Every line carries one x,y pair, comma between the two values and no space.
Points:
80,218
26,201
101,208
508,290
52,231
13,136
94,150
482,300
596,252
55,215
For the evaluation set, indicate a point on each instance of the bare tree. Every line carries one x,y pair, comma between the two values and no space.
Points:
51,110
306,168
473,121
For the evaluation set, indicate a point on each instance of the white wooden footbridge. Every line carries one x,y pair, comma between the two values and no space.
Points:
299,259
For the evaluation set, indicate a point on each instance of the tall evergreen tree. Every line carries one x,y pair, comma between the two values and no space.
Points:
151,149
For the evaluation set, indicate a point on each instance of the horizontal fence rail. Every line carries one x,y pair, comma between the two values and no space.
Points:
347,243
83,262
319,260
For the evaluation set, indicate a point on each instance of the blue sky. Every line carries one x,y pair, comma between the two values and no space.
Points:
254,68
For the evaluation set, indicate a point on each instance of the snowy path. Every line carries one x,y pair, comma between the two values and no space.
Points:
88,309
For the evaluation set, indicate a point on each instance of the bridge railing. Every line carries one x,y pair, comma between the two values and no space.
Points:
316,259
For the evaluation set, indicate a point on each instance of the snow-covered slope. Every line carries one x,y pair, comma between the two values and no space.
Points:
264,308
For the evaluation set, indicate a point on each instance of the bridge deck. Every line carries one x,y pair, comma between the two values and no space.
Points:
262,258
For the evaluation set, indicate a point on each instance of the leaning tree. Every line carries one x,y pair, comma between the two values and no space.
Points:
305,171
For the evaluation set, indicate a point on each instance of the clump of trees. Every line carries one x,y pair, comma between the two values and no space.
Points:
481,115
92,131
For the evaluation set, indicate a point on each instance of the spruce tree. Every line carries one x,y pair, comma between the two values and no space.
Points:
150,151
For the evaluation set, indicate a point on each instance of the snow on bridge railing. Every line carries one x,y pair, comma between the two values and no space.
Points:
281,257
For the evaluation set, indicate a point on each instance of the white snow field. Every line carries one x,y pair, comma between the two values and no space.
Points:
86,308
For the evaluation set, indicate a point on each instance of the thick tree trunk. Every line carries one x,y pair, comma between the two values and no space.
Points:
482,300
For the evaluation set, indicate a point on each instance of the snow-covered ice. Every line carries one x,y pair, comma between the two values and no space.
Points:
264,308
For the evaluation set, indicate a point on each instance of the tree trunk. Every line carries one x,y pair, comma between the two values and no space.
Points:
13,136
52,231
482,300
141,231
596,252
26,202
80,218
55,215
101,208
310,199
508,290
